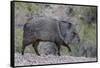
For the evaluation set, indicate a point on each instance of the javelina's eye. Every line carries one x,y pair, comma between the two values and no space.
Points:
73,34
69,25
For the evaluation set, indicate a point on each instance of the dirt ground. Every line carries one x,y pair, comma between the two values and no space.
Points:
32,59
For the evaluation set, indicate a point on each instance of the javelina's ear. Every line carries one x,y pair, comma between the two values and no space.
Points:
69,25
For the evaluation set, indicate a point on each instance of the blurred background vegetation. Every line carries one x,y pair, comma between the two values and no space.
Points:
83,17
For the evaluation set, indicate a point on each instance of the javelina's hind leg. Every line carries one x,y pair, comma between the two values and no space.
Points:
23,48
35,47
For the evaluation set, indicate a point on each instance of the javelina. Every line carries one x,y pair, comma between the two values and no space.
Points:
47,29
88,50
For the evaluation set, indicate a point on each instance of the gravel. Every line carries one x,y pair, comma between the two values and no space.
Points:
32,59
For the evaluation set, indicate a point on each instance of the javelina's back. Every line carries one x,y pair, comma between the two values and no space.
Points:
45,29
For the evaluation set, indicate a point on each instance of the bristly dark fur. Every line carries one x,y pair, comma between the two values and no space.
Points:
46,29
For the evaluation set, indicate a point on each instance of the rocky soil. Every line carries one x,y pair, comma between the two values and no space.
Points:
32,59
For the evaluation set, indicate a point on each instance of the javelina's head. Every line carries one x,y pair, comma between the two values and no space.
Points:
72,38
68,33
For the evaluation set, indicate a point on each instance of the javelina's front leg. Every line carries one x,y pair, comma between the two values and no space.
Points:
35,47
67,45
